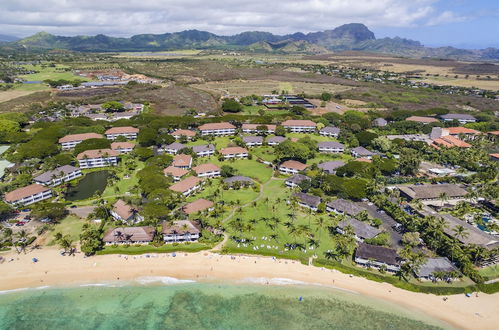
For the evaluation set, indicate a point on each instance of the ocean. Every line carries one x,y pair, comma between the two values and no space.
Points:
165,303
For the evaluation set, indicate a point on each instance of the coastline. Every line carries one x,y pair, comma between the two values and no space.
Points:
53,270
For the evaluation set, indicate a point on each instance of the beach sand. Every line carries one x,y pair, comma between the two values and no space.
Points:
52,269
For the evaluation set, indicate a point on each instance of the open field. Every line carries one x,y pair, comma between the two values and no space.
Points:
485,84
71,225
262,87
48,72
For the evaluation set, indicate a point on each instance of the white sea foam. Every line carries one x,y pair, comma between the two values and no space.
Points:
275,281
161,279
95,284
24,289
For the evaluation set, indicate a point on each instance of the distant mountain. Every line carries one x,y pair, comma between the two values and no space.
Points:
353,36
6,38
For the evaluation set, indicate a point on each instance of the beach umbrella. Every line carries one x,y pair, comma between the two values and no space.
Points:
34,260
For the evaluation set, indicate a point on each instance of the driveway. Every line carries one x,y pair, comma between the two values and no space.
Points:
82,211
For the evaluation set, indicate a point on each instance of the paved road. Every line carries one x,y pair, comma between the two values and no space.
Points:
388,223
82,211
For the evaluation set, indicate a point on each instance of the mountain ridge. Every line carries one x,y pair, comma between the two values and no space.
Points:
353,36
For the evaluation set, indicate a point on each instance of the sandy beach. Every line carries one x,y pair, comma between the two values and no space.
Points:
480,312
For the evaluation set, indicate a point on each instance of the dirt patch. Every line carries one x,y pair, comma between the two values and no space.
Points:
89,92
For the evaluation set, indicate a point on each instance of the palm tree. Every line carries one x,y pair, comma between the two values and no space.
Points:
22,240
460,232
443,197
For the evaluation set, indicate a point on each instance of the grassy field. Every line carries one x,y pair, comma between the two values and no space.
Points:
261,87
53,73
490,272
71,225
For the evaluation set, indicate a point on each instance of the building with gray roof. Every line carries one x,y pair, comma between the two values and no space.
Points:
331,147
330,167
275,140
330,131
308,201
460,117
239,179
252,141
343,206
204,150
295,180
59,175
361,229
435,265
174,148
377,256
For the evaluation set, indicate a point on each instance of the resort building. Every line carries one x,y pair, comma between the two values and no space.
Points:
379,122
70,141
182,161
331,166
188,134
275,140
207,170
205,150
219,129
129,235
422,120
123,212
180,231
457,132
330,131
127,131
187,186
361,152
307,201
258,128
197,206
295,180
253,141
238,180
433,266
299,126
292,167
330,147
174,148
361,230
449,142
234,152
461,118
59,175
343,206
122,147
377,257
475,235
428,192
98,158
28,195
175,172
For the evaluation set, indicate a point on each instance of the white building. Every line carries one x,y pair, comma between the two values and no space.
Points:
234,152
70,141
59,175
205,150
291,167
300,126
331,147
253,128
28,195
129,132
180,231
330,131
219,129
207,170
98,158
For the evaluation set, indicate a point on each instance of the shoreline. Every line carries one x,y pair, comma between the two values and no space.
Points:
53,270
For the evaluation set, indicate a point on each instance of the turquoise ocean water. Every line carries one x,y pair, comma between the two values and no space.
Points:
202,306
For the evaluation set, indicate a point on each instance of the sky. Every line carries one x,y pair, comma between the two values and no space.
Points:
460,23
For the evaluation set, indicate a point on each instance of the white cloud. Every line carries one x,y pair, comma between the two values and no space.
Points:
128,17
445,18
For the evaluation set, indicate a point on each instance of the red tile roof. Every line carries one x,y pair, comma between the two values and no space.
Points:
175,171
420,119
294,165
80,137
203,168
461,130
122,130
184,132
25,192
450,141
211,126
186,184
297,122
197,206
233,150
122,145
97,153
182,160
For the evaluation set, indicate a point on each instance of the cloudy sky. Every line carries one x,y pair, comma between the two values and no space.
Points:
463,23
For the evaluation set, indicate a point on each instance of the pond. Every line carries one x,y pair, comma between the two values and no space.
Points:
88,186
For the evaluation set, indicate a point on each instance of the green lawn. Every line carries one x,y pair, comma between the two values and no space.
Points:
192,247
490,272
248,167
71,225
54,73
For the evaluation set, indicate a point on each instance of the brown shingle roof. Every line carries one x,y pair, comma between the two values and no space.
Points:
432,191
211,126
233,150
122,209
97,153
122,130
24,192
175,171
378,253
129,234
203,168
80,137
182,160
197,206
298,122
186,184
294,165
